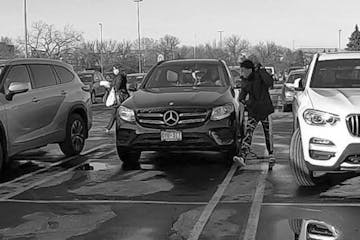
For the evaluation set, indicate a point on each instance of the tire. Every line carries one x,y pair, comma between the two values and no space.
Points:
303,176
295,226
93,97
128,157
75,136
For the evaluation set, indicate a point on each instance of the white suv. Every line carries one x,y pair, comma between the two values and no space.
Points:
326,112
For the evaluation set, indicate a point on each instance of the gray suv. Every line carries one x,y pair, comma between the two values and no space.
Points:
41,102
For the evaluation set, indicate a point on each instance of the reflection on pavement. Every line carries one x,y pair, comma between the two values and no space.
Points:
305,229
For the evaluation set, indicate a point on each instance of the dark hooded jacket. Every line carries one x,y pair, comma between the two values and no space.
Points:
259,104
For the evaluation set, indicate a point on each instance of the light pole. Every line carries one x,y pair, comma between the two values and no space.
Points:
138,18
339,39
220,33
26,33
101,44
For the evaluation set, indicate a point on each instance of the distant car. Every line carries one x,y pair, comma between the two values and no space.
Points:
271,71
182,105
42,102
288,88
326,111
93,78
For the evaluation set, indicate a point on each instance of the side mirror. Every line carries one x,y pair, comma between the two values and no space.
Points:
298,85
16,88
133,87
237,82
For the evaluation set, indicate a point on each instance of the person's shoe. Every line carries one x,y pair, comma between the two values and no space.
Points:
239,161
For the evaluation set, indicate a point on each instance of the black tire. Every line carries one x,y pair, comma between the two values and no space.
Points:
93,97
128,157
303,176
75,136
295,226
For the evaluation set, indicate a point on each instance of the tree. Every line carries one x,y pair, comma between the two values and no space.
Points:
234,46
354,40
168,45
46,41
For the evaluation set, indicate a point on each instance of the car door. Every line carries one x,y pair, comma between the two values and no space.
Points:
49,97
21,111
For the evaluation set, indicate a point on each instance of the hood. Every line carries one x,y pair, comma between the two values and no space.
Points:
339,101
179,97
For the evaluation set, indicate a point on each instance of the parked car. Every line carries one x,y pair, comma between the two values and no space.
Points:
236,74
43,101
288,88
181,105
326,112
93,78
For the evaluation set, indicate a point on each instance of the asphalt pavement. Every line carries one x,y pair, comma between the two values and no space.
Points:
44,195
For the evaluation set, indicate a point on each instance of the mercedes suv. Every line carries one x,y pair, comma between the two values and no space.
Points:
326,112
42,101
181,105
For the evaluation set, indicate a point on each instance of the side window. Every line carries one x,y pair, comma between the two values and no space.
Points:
17,74
65,75
42,75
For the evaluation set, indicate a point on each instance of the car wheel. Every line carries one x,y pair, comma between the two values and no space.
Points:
303,176
295,226
93,97
129,158
75,136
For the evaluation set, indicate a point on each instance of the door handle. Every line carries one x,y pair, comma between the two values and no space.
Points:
63,92
35,100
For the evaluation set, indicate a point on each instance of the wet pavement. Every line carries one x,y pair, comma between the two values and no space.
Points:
173,196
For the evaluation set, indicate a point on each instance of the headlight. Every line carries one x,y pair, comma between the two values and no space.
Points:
126,114
222,112
320,118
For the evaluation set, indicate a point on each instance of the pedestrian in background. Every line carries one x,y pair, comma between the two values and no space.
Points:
121,93
256,84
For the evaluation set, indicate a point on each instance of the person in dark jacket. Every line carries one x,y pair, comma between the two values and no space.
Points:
119,84
256,84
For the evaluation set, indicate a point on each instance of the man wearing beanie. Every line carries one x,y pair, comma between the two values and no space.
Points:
256,84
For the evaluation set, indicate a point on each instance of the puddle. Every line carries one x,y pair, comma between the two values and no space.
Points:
96,166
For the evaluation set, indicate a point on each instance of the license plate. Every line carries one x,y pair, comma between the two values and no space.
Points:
171,136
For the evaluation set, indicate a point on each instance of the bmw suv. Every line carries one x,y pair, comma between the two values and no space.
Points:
42,101
181,105
327,118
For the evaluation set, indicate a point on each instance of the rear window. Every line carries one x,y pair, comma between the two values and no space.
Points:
86,77
64,75
43,75
187,75
341,73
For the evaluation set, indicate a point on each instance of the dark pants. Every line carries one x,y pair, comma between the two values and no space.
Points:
112,118
250,128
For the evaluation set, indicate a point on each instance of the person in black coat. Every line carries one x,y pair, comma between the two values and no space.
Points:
119,84
256,83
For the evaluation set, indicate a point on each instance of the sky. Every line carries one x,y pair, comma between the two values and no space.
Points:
290,23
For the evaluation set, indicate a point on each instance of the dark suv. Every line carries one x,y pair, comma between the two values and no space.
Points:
181,105
42,102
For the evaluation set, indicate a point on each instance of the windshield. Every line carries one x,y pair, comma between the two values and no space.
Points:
343,73
293,77
187,75
86,77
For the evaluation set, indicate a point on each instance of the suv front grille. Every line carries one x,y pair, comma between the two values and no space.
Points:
353,124
187,118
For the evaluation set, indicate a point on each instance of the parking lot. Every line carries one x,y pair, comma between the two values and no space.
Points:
172,196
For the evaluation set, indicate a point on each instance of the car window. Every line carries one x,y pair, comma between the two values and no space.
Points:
86,78
344,73
64,75
42,75
187,74
17,74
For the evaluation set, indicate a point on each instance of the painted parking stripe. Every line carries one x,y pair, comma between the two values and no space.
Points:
53,165
49,178
209,208
253,220
312,204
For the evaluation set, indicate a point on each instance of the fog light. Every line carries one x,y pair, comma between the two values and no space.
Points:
321,155
222,137
321,141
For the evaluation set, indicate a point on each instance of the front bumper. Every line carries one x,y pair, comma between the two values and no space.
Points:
211,136
341,154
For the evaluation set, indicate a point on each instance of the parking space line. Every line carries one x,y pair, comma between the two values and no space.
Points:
209,208
49,178
253,219
102,202
52,165
312,204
